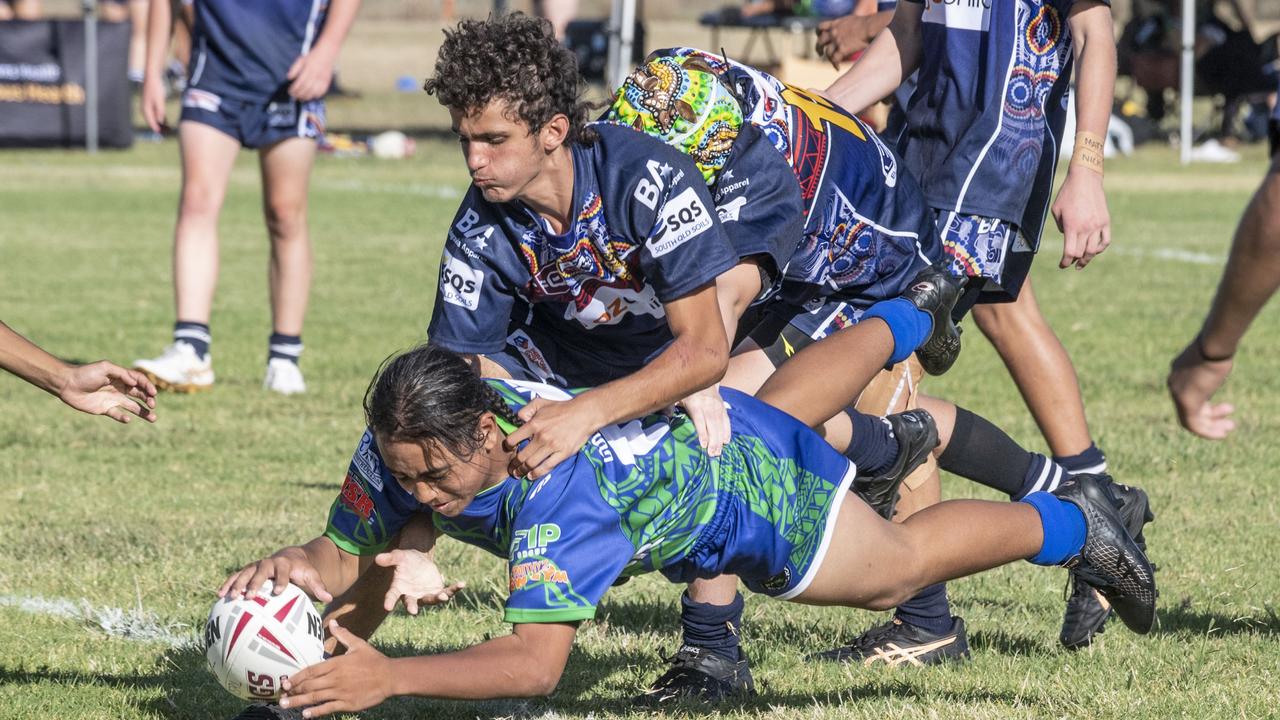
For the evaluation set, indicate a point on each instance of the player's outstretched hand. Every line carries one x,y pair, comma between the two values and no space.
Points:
706,410
289,564
843,36
355,680
556,430
1192,382
102,388
311,74
1082,217
417,579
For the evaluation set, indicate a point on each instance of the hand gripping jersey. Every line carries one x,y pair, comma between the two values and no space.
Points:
242,49
866,232
645,233
639,497
984,124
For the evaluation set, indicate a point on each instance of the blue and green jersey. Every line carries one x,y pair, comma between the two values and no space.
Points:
640,496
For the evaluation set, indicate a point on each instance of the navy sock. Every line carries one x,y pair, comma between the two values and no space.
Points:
1043,475
929,609
985,454
286,347
1090,461
873,448
194,334
1064,529
713,628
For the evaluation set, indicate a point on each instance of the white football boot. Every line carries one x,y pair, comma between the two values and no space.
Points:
179,369
284,377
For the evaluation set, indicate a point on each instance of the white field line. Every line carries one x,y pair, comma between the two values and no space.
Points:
1171,254
131,624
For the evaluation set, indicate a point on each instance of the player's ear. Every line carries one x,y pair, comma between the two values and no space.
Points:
554,132
488,432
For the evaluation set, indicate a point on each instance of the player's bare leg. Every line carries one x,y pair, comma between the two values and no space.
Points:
286,175
806,385
1041,369
207,158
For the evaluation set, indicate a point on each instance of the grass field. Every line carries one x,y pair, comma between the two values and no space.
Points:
115,537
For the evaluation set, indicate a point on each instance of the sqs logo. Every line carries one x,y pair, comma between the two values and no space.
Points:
459,283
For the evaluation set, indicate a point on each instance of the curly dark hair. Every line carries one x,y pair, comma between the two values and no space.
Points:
515,58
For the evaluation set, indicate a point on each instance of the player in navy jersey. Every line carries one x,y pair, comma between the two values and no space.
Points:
639,497
982,135
258,72
582,256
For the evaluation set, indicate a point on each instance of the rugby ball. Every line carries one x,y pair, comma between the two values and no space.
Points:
253,645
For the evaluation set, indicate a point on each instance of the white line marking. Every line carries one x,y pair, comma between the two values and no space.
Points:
1172,254
132,624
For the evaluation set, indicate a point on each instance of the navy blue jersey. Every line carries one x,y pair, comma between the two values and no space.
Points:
243,48
639,497
984,123
866,230
644,233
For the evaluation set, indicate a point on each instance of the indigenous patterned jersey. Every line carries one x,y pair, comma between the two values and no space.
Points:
644,233
984,124
639,497
242,49
866,231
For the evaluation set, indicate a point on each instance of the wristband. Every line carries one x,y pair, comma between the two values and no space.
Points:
1088,151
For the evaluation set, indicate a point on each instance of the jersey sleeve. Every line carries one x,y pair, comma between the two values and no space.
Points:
567,548
668,211
474,297
758,201
371,507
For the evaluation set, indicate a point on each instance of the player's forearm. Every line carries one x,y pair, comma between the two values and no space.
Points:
890,59
735,289
159,22
1252,274
1095,51
504,667
342,14
25,359
338,569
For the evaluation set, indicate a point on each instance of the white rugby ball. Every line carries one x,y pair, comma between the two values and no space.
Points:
253,645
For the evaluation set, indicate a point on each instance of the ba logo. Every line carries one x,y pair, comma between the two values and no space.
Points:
460,283
534,540
467,228
366,461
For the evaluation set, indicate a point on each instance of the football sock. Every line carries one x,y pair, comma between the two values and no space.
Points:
873,448
929,610
713,628
1064,528
286,347
194,334
1090,461
1043,475
909,325
983,453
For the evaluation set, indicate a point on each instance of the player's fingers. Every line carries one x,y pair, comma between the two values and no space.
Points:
1105,237
545,467
389,600
326,708
388,559
117,414
700,427
229,583
296,67
1070,248
344,636
411,604
311,582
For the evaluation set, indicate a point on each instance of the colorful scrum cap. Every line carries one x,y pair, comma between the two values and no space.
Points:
680,101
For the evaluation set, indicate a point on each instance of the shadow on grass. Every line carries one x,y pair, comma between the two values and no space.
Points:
1184,618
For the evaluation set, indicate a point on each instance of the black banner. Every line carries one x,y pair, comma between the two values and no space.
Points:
42,95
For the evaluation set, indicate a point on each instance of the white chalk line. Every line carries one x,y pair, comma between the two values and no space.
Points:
429,190
1170,254
135,623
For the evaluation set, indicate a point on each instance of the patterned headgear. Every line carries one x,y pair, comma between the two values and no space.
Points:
680,101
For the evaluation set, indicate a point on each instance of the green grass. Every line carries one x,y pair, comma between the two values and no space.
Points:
158,515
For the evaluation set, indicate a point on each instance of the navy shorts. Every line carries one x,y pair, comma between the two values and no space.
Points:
255,124
992,252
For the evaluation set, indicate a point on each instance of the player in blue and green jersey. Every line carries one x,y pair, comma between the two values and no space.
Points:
639,497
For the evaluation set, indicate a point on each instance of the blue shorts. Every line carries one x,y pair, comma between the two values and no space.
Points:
774,518
255,124
987,248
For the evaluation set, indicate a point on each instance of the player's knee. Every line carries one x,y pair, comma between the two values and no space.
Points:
286,219
199,201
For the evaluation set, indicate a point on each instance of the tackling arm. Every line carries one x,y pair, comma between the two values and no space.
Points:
890,59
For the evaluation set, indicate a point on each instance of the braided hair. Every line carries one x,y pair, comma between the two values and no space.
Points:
431,395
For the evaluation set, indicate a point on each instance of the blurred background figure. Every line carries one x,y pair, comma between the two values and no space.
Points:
559,12
99,388
20,10
257,80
